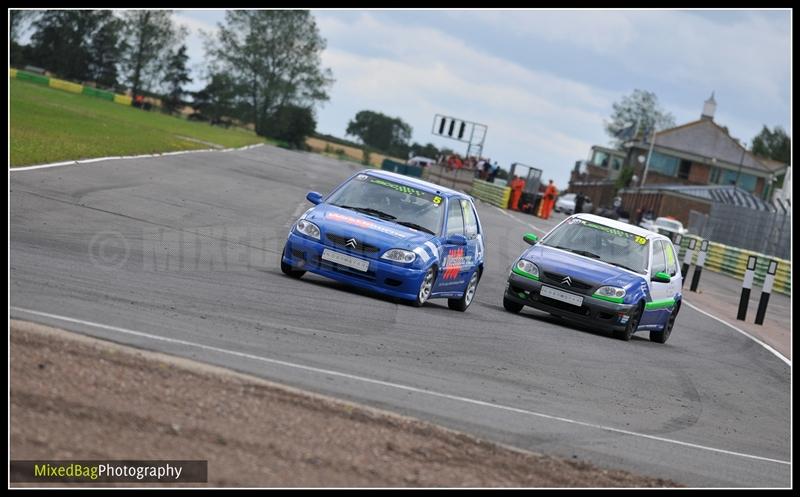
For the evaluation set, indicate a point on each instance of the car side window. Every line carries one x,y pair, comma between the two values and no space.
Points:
455,219
470,220
672,264
659,261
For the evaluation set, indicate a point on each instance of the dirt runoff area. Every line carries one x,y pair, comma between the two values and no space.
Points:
75,397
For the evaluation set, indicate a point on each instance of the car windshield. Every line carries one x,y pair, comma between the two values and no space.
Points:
666,223
601,242
391,201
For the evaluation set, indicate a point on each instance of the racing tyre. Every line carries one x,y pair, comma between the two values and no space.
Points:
464,302
633,323
662,335
288,270
425,288
512,306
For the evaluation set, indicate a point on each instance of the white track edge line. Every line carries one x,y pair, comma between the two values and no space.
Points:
399,386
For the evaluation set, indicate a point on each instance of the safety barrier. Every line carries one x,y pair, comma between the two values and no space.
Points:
733,261
491,193
60,84
94,92
69,86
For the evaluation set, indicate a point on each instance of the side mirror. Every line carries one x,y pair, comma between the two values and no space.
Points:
530,238
661,277
456,239
314,197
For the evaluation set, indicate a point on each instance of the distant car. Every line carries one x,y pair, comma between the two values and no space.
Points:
601,273
392,234
566,204
666,226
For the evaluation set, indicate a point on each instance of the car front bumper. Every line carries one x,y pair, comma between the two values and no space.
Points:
381,277
595,313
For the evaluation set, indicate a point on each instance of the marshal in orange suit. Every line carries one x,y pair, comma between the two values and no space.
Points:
549,200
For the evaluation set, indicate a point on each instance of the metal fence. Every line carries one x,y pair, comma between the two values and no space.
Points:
750,229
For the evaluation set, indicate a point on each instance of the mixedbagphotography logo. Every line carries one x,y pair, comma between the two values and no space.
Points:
109,250
105,471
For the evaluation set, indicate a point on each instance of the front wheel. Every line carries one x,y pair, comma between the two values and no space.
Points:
512,306
288,270
633,323
464,302
425,288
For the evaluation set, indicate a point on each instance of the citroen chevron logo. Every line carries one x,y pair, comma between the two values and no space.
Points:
567,281
351,243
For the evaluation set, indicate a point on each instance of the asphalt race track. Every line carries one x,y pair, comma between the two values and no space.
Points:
180,254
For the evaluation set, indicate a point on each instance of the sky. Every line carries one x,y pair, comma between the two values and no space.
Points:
543,81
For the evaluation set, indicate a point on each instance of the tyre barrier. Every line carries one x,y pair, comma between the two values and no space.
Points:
60,84
490,193
732,261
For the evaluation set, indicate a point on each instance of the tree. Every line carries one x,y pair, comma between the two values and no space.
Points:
639,110
63,39
390,135
292,124
150,36
176,76
775,145
217,99
105,49
17,20
276,56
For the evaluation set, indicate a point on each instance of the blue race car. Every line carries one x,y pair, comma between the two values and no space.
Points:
602,273
392,234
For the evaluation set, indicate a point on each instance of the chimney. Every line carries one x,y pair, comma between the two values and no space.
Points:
709,107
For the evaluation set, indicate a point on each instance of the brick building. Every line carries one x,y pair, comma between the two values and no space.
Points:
698,153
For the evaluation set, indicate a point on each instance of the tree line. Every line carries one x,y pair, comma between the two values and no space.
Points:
263,67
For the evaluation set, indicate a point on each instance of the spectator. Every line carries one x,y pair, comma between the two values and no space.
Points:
493,173
579,202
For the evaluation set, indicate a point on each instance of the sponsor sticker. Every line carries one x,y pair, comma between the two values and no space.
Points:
363,223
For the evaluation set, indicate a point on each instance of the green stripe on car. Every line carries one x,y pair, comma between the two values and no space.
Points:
659,304
523,273
616,300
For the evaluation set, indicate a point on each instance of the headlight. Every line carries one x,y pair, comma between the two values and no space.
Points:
399,255
527,266
307,228
611,292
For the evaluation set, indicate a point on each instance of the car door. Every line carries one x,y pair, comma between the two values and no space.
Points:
451,277
660,292
474,249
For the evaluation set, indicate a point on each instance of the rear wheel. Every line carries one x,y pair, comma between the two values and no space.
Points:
289,270
464,302
425,288
633,323
512,306
662,335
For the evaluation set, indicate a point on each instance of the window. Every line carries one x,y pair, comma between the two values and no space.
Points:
600,159
715,172
616,163
663,164
470,220
455,220
747,182
672,258
659,261
683,170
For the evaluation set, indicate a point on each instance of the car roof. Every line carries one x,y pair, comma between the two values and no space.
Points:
630,228
422,184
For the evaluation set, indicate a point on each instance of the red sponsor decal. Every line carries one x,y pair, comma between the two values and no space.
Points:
453,264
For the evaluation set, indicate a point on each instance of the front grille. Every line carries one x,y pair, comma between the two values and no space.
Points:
582,310
332,266
341,241
576,286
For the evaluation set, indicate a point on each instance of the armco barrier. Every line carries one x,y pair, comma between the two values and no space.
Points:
122,99
60,84
94,92
733,261
491,193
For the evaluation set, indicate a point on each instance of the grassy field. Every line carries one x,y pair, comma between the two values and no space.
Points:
49,125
